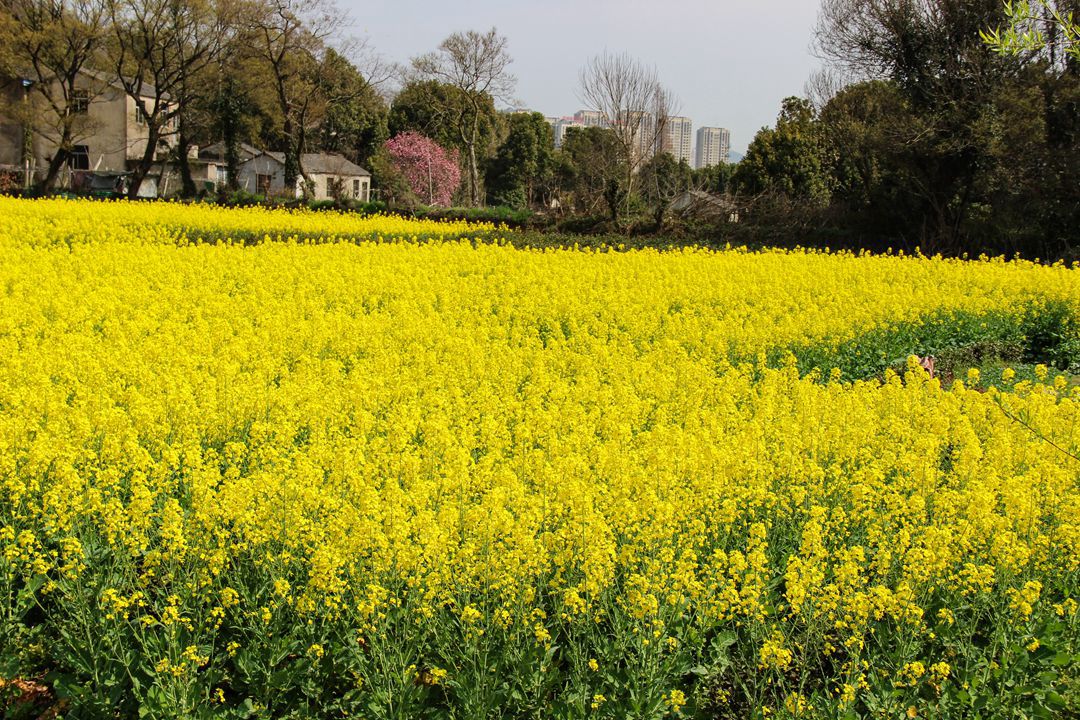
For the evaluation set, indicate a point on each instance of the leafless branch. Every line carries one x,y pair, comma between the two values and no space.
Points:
635,104
476,64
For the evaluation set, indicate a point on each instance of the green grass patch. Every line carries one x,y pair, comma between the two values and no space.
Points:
1046,334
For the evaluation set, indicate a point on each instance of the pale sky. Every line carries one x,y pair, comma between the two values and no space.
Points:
730,63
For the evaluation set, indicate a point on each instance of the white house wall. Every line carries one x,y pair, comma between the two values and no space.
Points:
262,165
112,135
267,165
322,181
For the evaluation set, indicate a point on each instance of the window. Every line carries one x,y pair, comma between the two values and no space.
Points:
335,188
262,183
79,158
80,103
140,116
222,174
356,188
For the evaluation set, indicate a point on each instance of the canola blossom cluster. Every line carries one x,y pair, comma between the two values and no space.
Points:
436,478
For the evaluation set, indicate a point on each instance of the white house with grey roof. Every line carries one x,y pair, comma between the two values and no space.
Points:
333,176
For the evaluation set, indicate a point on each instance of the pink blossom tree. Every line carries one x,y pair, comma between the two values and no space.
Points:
431,170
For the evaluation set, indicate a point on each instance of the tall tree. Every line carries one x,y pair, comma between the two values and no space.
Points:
595,169
524,162
435,109
53,45
636,105
315,85
193,120
932,51
354,122
289,36
939,140
227,107
787,160
159,50
220,102
476,66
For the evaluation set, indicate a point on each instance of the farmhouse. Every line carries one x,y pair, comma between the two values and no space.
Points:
331,176
109,135
701,205
215,155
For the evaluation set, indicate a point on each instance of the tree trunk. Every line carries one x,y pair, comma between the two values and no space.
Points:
292,170
187,183
232,155
474,177
142,169
58,159
292,160
301,145
474,171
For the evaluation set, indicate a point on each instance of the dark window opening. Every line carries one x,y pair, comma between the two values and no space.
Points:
79,158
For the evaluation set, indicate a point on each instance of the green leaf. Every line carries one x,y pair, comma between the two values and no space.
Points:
66,686
1055,701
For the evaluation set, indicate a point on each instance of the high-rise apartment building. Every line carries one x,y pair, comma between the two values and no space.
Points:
677,137
590,118
713,146
640,130
559,127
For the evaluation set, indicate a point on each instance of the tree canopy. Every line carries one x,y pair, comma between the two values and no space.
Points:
935,140
524,164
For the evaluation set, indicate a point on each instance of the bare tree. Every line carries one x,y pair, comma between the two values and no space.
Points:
159,47
377,71
51,44
476,65
298,41
630,96
823,85
290,37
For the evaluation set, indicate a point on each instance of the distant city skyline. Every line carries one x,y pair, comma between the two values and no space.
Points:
700,147
729,65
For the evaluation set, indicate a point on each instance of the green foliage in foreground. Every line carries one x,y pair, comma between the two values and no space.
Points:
101,663
100,655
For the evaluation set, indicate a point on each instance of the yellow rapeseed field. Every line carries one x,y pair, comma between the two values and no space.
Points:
426,479
50,222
